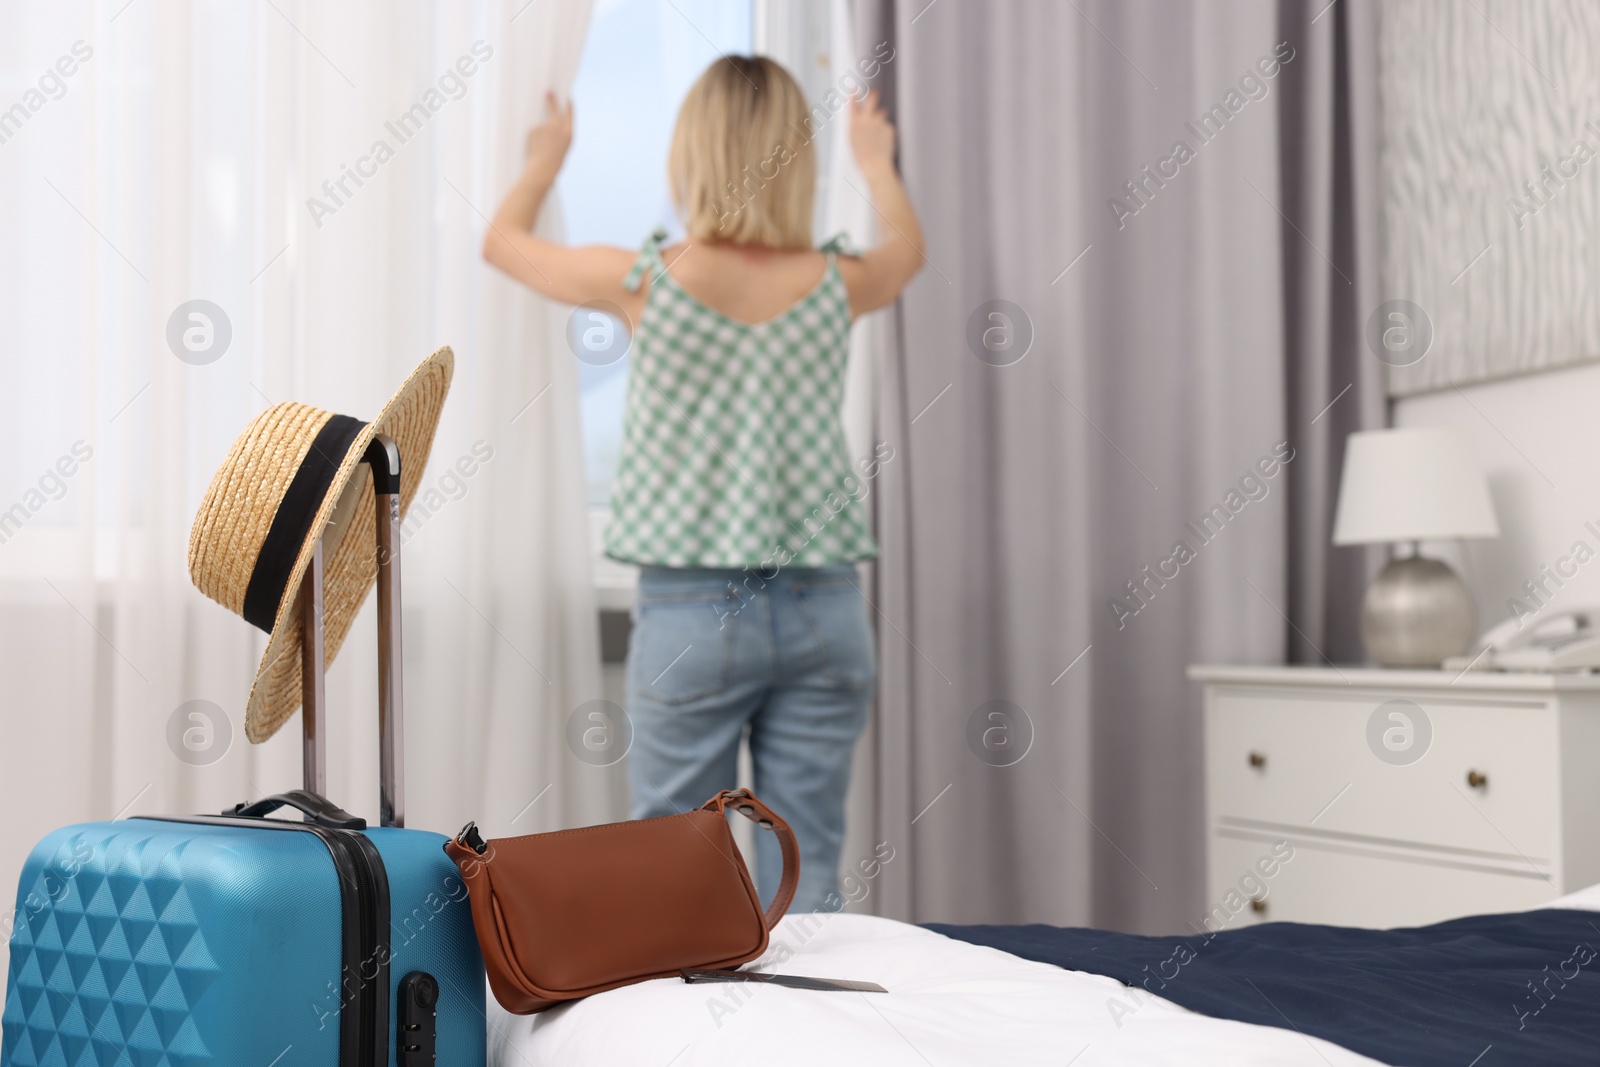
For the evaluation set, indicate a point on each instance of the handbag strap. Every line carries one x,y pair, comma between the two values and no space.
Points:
745,803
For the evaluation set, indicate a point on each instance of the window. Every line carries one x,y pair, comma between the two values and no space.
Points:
639,61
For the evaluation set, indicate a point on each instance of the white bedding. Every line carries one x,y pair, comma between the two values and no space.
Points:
949,1002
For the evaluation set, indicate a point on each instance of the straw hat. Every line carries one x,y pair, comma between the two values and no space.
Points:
295,475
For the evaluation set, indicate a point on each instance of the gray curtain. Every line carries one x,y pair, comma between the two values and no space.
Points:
1038,743
1329,183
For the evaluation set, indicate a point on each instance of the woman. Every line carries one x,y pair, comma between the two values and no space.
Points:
735,492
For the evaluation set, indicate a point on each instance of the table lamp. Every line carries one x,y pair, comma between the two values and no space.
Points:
1414,485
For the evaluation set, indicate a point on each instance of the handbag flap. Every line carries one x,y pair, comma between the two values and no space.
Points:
654,895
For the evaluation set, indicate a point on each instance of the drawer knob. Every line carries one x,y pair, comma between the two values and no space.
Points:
1257,760
1477,780
1258,906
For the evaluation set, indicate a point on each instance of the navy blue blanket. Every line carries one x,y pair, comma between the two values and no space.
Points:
1489,990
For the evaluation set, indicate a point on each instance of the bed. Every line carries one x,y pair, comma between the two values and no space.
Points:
950,1002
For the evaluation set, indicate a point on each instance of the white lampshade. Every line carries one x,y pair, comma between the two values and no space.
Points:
1412,485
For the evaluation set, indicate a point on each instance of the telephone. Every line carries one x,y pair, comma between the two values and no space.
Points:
1566,641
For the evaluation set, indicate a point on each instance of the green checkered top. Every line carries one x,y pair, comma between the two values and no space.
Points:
733,453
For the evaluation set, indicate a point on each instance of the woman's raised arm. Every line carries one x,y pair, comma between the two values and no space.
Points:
570,275
877,277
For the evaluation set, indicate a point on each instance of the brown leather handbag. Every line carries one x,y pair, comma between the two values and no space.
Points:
568,914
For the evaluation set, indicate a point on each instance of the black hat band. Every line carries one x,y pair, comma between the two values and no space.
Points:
292,523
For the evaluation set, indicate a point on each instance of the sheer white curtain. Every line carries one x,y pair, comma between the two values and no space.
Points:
322,175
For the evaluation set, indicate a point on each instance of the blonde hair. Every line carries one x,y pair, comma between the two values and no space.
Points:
741,166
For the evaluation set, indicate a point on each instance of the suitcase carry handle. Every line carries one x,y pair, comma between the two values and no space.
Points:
317,809
383,456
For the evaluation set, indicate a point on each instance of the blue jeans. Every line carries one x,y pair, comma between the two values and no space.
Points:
714,651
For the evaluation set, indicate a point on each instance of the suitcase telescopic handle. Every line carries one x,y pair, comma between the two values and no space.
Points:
383,456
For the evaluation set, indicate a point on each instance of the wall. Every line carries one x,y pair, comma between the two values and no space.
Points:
1537,438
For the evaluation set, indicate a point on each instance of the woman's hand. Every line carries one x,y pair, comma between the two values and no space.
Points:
871,133
564,274
548,142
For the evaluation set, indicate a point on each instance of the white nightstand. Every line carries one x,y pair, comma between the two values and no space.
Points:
1407,797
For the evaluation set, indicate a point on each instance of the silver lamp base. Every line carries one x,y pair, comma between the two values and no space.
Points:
1417,613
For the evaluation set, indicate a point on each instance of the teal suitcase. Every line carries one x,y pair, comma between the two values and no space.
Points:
243,940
